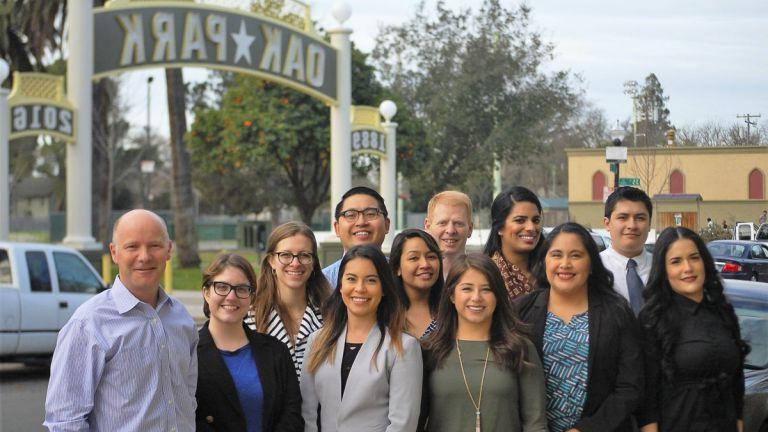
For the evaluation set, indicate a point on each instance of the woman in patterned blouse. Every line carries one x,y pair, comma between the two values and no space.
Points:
417,266
290,290
515,237
587,337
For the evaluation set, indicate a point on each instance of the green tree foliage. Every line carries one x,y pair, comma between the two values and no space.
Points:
652,112
269,140
475,81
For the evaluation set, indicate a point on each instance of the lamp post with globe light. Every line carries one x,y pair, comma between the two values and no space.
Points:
388,165
5,161
618,154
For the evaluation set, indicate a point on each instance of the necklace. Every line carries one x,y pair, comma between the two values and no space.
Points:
466,384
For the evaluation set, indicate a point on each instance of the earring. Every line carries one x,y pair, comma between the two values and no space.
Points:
274,272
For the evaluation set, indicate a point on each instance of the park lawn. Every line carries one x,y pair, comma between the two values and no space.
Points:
190,278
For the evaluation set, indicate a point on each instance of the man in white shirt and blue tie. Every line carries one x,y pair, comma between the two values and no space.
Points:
627,219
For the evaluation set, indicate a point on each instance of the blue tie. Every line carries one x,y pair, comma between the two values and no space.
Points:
634,286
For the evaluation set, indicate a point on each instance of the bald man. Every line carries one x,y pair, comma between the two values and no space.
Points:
126,360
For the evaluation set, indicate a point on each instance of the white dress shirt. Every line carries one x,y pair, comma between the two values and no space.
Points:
616,263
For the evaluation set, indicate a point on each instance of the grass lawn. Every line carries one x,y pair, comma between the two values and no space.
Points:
190,278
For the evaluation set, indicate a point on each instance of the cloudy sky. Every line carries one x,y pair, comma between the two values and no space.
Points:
711,56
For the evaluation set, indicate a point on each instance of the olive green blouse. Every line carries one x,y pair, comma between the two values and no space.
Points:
511,401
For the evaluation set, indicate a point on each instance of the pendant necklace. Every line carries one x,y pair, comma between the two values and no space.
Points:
466,384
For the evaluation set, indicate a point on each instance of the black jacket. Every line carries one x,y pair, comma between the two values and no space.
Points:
218,407
615,371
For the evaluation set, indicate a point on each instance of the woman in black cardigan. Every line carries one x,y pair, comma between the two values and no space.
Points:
586,335
246,380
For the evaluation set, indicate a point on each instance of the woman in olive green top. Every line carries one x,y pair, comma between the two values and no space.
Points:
482,373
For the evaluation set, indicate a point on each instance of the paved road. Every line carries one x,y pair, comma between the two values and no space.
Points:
22,388
22,397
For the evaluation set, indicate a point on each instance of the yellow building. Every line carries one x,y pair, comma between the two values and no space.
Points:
687,184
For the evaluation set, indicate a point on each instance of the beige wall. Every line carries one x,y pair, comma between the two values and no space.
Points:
719,175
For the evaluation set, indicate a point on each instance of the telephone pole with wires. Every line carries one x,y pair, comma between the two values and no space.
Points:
748,120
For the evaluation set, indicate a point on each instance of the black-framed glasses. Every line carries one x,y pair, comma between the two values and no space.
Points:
286,258
223,289
369,214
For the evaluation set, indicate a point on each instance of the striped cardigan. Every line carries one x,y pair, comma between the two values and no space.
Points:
310,322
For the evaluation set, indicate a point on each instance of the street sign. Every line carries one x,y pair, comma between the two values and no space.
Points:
616,154
630,181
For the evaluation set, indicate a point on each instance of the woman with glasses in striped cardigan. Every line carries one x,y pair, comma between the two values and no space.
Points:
291,289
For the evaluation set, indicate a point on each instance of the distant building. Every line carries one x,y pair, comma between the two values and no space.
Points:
687,184
32,198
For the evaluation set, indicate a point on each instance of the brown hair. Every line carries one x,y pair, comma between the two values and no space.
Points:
508,333
218,265
390,314
267,294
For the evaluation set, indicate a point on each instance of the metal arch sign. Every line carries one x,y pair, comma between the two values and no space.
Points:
38,107
172,34
368,135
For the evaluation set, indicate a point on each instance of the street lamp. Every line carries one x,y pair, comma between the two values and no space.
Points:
619,154
144,178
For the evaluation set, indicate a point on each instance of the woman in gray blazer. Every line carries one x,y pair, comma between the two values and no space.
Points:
362,373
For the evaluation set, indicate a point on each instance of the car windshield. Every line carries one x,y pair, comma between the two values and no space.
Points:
726,250
753,321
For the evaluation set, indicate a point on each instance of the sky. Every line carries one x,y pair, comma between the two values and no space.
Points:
711,56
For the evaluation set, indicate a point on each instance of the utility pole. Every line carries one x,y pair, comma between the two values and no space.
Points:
748,120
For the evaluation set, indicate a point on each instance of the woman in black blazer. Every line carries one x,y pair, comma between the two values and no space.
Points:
246,380
586,335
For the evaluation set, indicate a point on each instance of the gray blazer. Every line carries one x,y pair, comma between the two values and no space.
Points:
381,398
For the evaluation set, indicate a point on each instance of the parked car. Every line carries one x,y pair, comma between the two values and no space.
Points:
750,301
747,260
41,285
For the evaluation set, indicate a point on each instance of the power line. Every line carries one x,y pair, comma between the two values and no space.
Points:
748,120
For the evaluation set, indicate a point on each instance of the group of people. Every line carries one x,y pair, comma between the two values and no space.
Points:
538,333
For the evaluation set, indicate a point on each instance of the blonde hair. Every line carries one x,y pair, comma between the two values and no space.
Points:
450,197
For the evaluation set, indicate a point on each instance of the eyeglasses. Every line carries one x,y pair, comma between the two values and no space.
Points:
369,214
223,289
286,258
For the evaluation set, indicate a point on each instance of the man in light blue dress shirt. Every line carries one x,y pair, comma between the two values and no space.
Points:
360,218
126,360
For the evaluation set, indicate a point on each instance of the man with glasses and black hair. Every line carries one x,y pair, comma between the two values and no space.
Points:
126,360
360,218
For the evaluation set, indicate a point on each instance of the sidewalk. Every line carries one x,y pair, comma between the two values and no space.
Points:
193,301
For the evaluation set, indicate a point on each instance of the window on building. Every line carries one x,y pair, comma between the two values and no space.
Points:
756,182
676,182
598,183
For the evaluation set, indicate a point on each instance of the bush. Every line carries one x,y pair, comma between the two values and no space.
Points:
715,232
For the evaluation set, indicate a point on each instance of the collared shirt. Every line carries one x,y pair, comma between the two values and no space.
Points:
616,263
122,365
332,273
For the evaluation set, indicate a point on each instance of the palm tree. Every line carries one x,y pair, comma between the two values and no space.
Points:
182,198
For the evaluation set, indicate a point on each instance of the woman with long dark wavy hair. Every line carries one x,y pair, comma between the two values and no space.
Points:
482,371
362,372
291,289
417,267
515,237
586,335
694,351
